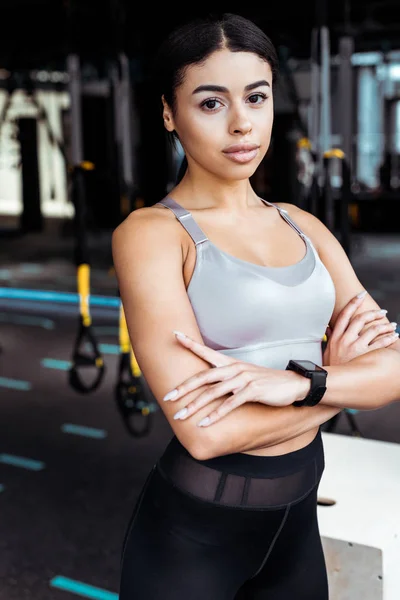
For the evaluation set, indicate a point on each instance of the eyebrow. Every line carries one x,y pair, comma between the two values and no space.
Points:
224,90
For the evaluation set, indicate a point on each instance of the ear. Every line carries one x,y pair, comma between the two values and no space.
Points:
167,116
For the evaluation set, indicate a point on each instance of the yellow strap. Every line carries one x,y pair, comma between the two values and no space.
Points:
354,213
125,344
83,279
134,365
124,341
86,165
125,205
334,152
304,143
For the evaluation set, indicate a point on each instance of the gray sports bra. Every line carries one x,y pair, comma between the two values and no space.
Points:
262,315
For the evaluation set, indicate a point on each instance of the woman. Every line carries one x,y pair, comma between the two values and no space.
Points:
229,509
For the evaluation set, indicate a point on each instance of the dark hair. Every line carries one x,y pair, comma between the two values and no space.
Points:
193,42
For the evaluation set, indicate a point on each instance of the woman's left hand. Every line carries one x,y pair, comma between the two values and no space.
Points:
245,381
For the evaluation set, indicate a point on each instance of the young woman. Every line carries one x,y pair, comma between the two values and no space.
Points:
229,509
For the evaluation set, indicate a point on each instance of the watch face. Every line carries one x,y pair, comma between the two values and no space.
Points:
308,365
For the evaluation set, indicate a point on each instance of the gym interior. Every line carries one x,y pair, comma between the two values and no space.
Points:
81,146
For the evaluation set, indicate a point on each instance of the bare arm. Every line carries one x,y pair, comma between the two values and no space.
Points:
253,425
148,260
366,383
369,381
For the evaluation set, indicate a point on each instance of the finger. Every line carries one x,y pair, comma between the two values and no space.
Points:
203,378
384,342
226,407
208,354
358,323
376,330
212,393
344,316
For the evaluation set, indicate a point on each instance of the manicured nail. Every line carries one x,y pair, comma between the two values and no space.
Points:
362,294
179,333
170,395
181,413
393,324
204,422
395,335
382,312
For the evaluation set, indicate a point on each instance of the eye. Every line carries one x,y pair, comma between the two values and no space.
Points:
257,98
210,104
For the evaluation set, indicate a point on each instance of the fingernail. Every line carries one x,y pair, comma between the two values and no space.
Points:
179,333
393,324
170,395
382,312
204,422
181,413
395,335
362,294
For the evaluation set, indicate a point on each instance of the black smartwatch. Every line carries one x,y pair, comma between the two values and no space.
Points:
318,380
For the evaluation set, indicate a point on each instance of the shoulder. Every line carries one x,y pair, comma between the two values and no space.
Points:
150,225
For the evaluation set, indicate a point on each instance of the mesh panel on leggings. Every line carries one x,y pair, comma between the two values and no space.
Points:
282,490
188,475
234,490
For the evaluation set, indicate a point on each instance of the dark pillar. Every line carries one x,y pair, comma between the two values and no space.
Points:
31,217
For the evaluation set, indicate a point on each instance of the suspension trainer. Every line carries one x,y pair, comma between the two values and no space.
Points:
85,351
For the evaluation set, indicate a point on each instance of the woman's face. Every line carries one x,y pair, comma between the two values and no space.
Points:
224,113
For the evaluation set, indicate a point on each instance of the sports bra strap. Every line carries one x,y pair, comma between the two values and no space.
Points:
285,215
186,220
197,234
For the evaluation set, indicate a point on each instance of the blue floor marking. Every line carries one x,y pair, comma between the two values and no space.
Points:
53,363
105,348
109,348
5,274
81,589
84,431
15,384
25,320
20,461
49,296
32,268
65,365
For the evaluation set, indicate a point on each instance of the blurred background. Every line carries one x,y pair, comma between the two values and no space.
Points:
82,145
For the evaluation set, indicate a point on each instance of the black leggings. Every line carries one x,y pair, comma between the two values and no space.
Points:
237,527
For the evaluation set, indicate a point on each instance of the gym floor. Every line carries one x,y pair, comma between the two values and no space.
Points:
70,472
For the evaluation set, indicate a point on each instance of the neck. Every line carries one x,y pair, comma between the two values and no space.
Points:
235,197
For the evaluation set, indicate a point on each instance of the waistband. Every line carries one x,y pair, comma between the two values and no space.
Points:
249,465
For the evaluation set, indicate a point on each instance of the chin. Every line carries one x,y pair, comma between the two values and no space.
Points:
239,172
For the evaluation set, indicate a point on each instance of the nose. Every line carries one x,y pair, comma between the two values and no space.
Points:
240,122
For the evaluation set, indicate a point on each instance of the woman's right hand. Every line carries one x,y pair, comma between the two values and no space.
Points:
351,338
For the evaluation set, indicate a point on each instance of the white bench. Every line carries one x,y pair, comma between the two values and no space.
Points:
362,476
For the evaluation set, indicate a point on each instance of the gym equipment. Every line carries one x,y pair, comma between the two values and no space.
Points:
90,357
130,393
354,570
134,399
31,218
361,478
335,165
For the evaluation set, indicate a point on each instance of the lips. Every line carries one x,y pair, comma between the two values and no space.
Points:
240,148
241,153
